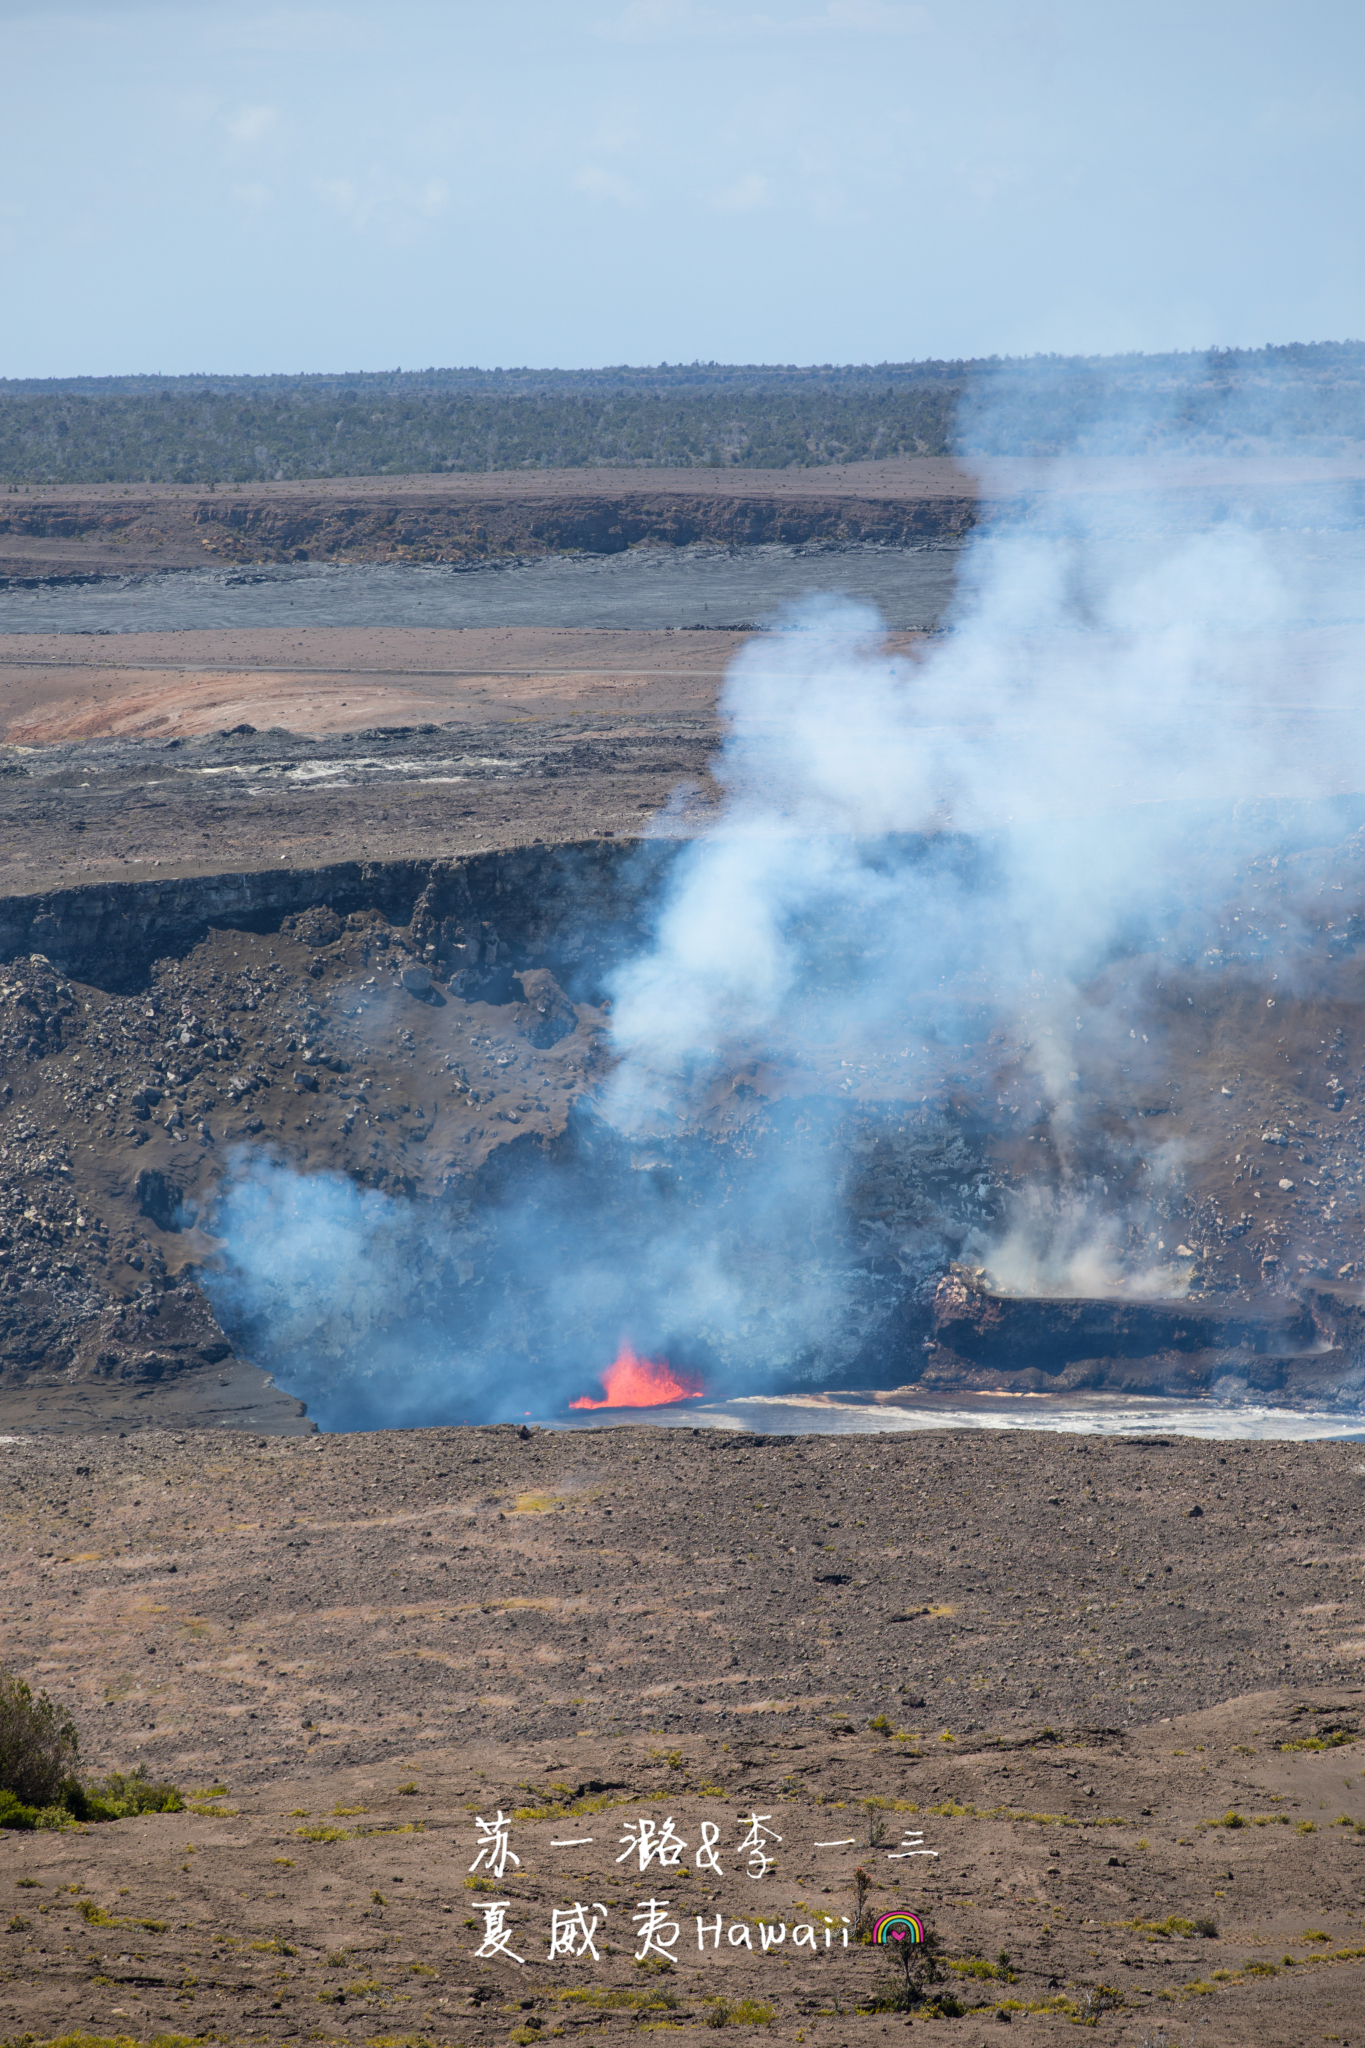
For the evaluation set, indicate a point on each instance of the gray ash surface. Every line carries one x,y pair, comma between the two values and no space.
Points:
644,589
117,808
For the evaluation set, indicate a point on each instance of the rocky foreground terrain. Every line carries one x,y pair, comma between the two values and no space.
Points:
1107,1693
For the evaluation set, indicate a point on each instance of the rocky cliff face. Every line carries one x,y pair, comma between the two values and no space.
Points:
425,1030
570,908
1308,1346
149,1028
590,524
82,533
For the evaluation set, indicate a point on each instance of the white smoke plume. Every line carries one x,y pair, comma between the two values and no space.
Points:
916,852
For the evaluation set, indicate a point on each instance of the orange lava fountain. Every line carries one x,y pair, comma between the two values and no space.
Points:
633,1382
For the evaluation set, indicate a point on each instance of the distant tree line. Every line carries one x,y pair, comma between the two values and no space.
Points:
201,430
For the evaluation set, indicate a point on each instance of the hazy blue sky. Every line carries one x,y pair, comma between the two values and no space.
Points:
195,185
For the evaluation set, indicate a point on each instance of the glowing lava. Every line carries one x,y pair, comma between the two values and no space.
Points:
633,1382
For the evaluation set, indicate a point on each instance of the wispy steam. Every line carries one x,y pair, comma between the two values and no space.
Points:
932,860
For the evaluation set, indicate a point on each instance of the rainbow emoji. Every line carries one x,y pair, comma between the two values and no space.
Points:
898,1927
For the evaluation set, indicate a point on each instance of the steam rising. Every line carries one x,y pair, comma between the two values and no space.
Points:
919,857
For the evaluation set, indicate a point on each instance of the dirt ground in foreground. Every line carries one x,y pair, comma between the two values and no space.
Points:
1066,1698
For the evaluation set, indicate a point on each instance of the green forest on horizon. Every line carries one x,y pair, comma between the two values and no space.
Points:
1309,397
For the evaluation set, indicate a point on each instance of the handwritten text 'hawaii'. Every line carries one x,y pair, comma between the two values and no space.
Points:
573,1930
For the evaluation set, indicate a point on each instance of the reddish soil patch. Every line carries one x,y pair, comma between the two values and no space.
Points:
66,686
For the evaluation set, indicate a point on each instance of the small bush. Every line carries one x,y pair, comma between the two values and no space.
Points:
14,1813
122,1797
39,1787
114,2041
1096,1999
919,1967
892,1997
739,2012
622,2001
38,1745
1172,1925
977,1966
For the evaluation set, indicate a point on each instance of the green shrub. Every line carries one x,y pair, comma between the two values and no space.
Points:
38,1746
39,1787
79,2040
622,2001
121,1797
977,1966
1096,1999
892,1996
14,1813
739,2012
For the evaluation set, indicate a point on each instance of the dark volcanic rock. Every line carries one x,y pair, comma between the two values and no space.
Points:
1041,1343
1048,1332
